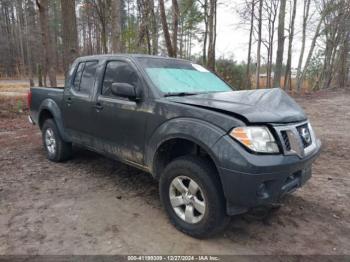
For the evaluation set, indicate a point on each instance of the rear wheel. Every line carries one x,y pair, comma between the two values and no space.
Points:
192,196
57,150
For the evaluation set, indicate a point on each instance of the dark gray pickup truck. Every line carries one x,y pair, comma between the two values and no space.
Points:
216,152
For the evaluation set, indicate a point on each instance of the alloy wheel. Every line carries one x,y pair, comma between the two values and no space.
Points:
50,141
187,199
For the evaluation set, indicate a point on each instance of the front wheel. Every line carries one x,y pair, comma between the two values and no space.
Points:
192,196
57,149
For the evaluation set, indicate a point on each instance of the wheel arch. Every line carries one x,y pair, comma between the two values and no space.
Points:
193,136
49,109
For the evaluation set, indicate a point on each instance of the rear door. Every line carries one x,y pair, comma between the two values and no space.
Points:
77,103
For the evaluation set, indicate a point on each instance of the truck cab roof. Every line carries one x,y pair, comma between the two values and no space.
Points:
131,56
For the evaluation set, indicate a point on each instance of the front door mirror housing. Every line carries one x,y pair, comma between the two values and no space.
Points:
124,90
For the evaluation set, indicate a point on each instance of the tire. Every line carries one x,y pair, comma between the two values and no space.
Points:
201,222
56,149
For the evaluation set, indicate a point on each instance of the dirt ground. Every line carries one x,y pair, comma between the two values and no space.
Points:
93,205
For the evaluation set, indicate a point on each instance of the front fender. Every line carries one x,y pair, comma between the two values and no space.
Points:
51,106
198,131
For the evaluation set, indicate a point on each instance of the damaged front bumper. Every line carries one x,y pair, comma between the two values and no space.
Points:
251,180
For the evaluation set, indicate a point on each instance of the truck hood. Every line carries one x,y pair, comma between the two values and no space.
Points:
254,106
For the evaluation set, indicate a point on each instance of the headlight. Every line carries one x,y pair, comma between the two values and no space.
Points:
256,138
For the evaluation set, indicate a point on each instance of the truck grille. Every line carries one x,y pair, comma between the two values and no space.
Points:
285,140
296,139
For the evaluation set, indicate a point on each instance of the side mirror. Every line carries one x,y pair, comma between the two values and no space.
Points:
124,90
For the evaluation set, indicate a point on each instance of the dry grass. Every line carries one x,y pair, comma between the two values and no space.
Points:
6,86
306,88
13,106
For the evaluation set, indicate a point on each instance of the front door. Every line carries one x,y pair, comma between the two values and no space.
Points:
120,122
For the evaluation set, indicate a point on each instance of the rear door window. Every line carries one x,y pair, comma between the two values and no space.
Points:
77,77
88,78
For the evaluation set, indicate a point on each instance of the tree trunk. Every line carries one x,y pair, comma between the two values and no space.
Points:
97,36
104,38
248,81
258,55
49,53
206,28
54,31
19,11
116,11
212,34
15,43
154,28
176,14
280,45
343,73
32,30
29,52
101,9
165,29
312,47
287,77
69,33
40,75
269,51
181,43
331,48
273,10
142,30
301,57
334,28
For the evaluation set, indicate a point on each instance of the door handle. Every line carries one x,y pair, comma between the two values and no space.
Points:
98,107
69,100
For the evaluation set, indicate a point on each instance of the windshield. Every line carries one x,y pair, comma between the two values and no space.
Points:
176,76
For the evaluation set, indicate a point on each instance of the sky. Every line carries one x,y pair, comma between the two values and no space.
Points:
232,37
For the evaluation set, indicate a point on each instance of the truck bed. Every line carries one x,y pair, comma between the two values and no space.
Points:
39,94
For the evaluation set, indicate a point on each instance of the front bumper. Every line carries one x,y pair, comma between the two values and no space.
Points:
250,180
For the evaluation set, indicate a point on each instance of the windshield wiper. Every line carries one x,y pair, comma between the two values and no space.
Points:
180,94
